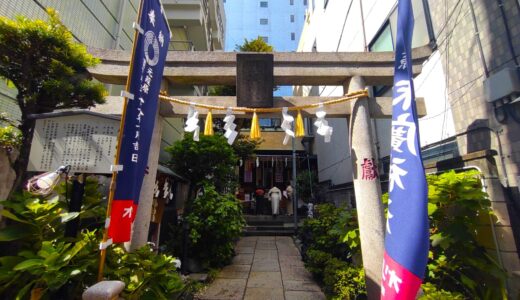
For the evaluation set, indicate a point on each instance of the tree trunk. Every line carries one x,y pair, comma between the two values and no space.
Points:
20,165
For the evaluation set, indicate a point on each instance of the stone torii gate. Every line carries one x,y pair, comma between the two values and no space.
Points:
352,70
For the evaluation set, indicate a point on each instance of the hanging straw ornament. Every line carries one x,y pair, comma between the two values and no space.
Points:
208,125
192,122
255,128
323,125
230,127
299,129
286,125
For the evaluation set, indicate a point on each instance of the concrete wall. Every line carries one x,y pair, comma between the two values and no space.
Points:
465,71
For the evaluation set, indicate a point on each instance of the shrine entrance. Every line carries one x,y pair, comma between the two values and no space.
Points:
353,71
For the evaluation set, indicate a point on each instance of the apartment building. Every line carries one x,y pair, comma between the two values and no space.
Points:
470,85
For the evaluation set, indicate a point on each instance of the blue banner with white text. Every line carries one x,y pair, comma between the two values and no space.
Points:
145,81
407,229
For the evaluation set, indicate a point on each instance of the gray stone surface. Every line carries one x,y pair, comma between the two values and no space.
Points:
104,290
290,68
264,274
303,295
224,289
264,294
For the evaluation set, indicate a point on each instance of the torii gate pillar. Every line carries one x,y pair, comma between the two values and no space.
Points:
367,189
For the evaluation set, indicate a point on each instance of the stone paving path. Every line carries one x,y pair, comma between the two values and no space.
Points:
265,267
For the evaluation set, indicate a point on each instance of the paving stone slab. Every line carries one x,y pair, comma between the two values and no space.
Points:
265,280
263,294
286,251
266,238
303,295
248,239
237,268
298,285
245,250
246,244
224,289
284,239
265,266
266,254
291,261
296,273
265,246
232,274
243,259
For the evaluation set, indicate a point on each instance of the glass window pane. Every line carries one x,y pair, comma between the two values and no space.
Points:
383,41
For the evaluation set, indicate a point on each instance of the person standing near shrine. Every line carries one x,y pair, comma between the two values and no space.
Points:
275,195
260,201
289,192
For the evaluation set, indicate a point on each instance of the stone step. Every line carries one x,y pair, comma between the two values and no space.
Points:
285,232
270,227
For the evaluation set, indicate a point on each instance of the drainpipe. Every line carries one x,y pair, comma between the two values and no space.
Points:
120,12
477,38
508,32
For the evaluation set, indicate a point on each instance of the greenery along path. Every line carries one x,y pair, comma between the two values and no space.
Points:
266,267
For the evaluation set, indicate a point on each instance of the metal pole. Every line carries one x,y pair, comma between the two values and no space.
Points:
310,176
76,200
103,252
295,190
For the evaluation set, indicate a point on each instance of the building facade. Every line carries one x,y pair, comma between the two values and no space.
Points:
470,85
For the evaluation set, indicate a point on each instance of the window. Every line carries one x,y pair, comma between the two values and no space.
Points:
265,38
291,2
293,36
383,41
292,18
385,38
264,21
263,3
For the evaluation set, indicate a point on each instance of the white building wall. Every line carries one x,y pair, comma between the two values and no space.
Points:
338,28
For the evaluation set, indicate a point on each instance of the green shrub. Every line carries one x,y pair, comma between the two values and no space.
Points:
342,280
56,267
215,222
146,275
211,157
38,256
333,230
457,210
431,292
10,138
316,262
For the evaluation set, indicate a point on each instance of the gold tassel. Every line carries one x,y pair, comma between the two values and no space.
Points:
255,128
208,125
299,129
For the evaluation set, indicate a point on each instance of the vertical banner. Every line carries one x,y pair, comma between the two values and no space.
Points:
406,241
147,67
